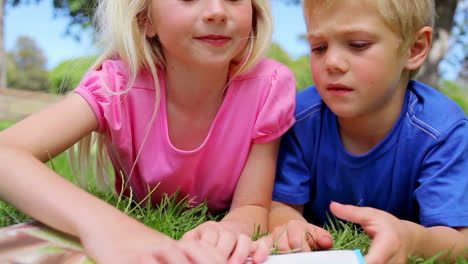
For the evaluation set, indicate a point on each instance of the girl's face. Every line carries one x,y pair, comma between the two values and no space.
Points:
201,33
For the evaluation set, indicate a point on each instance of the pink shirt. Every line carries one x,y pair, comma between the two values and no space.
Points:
258,107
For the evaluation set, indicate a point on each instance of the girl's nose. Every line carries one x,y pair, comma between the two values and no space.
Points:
215,12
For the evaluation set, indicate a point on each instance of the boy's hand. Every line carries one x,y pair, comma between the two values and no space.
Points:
131,242
300,236
226,237
390,241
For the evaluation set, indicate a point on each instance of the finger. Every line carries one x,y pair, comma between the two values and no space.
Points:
199,252
226,243
147,259
261,249
241,251
318,238
296,238
379,251
281,241
210,236
191,235
355,214
171,256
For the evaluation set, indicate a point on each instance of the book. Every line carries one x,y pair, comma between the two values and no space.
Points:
319,257
32,243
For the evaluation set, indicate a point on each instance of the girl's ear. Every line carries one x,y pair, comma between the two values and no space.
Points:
420,49
150,31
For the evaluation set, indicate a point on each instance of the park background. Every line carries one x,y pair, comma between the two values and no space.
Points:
47,45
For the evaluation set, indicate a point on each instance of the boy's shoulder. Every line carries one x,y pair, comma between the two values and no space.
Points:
431,110
308,102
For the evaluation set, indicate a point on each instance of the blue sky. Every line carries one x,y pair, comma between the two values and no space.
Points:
37,22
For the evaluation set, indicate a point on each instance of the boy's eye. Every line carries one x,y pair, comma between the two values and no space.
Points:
360,45
319,49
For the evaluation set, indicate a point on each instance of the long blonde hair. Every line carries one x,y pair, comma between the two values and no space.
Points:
120,26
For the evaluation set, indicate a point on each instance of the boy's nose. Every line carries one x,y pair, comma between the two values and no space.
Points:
336,62
215,12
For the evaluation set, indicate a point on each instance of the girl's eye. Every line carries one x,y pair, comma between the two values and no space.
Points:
319,49
359,45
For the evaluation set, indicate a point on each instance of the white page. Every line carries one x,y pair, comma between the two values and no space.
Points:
318,257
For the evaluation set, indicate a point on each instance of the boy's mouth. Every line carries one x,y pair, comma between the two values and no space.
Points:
338,88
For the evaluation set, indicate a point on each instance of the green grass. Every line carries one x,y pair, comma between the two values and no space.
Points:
176,215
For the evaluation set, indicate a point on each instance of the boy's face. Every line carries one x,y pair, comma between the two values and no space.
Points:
355,60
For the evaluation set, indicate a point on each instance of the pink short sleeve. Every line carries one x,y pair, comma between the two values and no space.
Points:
98,88
277,113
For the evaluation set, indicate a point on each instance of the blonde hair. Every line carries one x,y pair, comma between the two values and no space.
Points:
403,17
121,30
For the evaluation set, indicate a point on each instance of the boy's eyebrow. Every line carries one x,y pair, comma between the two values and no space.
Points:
350,31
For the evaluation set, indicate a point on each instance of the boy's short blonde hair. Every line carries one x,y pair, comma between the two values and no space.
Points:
404,17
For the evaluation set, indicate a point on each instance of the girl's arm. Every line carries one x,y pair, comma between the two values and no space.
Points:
31,186
107,235
249,208
252,197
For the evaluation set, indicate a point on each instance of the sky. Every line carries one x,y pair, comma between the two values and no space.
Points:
37,21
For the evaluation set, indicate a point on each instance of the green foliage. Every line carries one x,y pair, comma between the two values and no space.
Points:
26,66
347,235
80,13
4,124
300,67
68,74
456,93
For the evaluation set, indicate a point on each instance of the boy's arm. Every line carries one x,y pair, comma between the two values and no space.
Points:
290,231
282,213
432,240
393,239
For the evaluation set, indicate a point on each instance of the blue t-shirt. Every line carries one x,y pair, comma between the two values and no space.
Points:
418,172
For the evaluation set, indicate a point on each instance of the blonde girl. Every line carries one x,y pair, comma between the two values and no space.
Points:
181,98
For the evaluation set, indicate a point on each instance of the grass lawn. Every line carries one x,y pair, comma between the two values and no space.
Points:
175,218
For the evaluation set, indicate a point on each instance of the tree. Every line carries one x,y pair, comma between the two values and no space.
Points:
445,10
79,11
26,66
3,64
3,81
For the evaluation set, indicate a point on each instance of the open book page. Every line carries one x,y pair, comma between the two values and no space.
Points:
35,243
319,257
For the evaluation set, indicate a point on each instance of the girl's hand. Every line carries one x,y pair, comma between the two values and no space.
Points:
227,237
133,242
299,236
390,241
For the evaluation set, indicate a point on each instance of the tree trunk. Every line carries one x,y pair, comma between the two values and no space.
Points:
445,10
3,78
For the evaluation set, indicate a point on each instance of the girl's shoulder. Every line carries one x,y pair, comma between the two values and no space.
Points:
116,75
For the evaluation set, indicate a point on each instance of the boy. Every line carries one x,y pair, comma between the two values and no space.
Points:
367,135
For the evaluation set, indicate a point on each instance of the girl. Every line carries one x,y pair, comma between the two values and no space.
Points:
182,98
